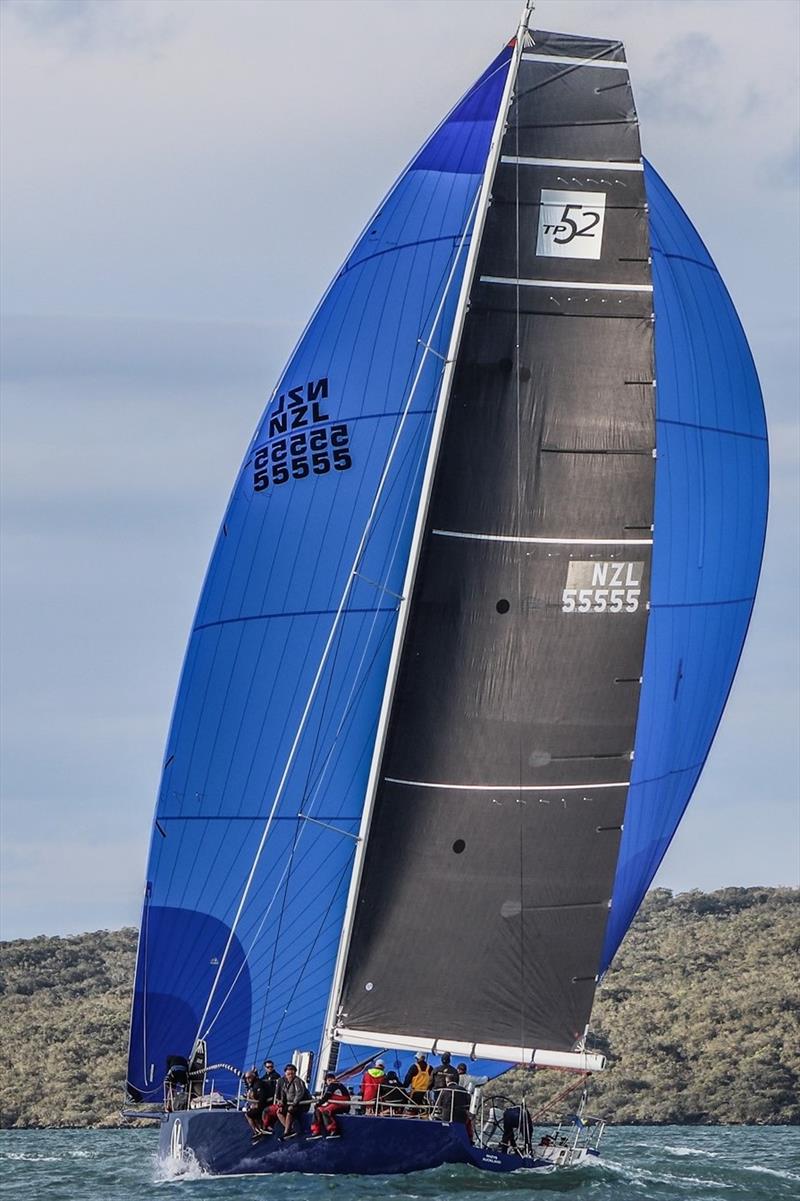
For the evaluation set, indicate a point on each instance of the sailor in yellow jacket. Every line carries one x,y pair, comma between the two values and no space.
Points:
419,1079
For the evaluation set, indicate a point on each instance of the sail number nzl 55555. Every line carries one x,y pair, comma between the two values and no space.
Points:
602,587
302,439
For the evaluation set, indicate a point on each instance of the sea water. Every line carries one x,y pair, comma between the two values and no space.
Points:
663,1163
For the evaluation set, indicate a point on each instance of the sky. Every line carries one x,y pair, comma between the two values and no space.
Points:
180,180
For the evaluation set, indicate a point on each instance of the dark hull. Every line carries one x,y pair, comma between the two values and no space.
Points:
220,1141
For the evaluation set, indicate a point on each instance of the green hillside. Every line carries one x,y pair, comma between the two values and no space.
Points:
700,1014
699,1017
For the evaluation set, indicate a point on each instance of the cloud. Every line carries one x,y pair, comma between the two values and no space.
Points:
783,168
174,351
95,26
178,186
685,83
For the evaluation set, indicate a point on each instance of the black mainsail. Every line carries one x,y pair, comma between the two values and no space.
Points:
495,828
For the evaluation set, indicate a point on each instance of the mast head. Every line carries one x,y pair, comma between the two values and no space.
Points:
523,37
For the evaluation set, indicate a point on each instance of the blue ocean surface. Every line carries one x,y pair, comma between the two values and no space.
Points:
666,1163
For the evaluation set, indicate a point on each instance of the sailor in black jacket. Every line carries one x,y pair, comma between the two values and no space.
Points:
445,1074
257,1100
270,1078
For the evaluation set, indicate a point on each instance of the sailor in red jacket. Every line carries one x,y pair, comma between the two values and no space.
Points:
335,1099
371,1082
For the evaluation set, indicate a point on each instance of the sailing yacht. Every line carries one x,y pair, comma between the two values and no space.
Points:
468,629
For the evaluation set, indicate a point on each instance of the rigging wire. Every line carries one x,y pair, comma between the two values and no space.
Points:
355,690
386,576
519,552
422,325
458,242
287,1007
331,636
297,830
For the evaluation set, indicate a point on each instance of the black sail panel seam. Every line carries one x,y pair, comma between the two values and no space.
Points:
737,600
577,124
227,621
500,202
646,452
686,258
711,429
573,316
351,266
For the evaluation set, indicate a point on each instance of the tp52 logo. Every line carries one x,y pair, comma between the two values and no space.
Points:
571,224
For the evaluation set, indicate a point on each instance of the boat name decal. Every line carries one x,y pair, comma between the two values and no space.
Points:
301,438
571,224
598,587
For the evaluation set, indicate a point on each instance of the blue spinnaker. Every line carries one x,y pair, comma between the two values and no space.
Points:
712,482
363,379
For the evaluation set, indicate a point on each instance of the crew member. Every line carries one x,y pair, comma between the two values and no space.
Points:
270,1078
445,1074
371,1082
392,1094
257,1100
516,1119
418,1081
291,1099
452,1104
335,1099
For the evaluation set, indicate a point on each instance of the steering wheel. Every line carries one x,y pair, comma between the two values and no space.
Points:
499,1101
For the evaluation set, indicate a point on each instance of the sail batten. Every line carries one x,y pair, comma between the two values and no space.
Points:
510,787
587,285
519,538
582,164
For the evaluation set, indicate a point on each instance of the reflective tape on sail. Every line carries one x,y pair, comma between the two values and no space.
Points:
556,60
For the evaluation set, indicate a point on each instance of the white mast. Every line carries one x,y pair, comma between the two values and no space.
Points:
416,542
